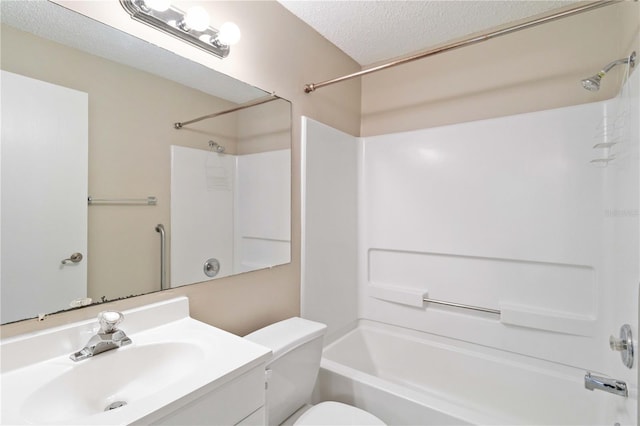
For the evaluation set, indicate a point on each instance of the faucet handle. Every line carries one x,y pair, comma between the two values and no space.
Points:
624,344
109,321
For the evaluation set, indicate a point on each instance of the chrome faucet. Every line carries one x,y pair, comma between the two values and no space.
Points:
109,337
616,387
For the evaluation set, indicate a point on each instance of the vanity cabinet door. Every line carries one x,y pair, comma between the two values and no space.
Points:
235,401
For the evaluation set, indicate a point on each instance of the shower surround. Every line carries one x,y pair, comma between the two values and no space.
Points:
214,201
526,215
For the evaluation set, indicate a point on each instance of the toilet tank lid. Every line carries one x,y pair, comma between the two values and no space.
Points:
283,336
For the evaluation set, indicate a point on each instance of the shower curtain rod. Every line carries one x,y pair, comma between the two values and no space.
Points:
260,101
308,88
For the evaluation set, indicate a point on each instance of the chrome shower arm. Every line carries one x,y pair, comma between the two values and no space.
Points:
593,83
631,58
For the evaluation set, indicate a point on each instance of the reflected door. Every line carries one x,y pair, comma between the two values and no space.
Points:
43,169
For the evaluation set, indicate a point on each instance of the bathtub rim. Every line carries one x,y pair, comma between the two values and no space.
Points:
453,410
538,365
435,401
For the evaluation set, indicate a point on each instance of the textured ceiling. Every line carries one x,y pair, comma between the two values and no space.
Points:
372,31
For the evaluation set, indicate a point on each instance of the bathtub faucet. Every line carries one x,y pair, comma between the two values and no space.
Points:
109,337
616,387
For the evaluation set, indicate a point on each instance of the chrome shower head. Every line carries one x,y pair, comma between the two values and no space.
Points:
215,146
593,83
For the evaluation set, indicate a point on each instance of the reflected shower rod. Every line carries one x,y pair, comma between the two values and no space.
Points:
311,87
272,97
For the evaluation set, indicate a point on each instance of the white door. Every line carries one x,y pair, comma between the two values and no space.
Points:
44,178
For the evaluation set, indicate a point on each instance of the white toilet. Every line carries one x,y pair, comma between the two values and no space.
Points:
296,344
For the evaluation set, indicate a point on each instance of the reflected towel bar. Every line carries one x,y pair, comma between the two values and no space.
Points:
460,305
149,201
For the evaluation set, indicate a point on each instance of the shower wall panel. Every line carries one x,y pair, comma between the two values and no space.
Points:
235,209
505,214
202,200
263,210
329,226
622,213
527,214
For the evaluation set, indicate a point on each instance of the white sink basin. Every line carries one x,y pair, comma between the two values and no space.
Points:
165,363
77,392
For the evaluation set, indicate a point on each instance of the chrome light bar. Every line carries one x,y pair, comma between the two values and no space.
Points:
172,21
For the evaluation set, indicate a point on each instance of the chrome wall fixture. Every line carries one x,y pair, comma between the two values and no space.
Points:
211,267
592,83
606,384
215,146
624,345
191,26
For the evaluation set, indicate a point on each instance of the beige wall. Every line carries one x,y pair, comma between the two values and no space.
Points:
531,70
130,133
277,53
264,128
535,69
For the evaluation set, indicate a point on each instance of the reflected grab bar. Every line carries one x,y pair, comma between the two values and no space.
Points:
163,271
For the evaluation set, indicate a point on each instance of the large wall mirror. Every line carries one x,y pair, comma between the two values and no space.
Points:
88,112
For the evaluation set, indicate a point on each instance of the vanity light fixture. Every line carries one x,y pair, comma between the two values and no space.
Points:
191,26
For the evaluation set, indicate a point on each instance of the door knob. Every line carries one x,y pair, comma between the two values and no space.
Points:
74,258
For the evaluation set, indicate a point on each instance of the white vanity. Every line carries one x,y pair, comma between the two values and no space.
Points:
177,370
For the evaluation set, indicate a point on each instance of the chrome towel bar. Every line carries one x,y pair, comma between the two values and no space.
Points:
460,305
509,313
149,201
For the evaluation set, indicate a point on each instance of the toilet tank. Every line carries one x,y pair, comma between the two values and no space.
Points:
296,344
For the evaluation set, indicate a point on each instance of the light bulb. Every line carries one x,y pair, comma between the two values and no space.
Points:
229,34
197,18
159,5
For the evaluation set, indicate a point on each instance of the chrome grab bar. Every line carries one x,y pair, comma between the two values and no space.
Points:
163,270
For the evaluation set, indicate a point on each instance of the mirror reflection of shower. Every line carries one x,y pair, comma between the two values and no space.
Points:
593,83
217,173
209,191
215,146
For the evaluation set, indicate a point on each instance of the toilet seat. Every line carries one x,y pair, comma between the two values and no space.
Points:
337,413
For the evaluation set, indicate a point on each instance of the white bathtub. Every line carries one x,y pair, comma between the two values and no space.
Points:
407,377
